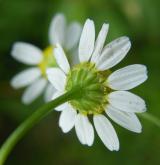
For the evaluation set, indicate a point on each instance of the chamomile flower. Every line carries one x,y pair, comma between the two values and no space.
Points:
34,78
101,94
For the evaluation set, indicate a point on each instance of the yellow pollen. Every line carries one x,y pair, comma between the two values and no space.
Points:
48,60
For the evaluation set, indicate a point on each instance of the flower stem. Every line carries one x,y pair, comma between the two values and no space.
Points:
151,118
23,128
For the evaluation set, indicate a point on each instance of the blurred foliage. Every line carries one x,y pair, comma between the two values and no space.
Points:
28,20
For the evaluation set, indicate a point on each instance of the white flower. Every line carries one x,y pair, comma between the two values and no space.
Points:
34,78
105,92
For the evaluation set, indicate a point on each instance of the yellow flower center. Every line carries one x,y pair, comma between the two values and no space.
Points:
48,60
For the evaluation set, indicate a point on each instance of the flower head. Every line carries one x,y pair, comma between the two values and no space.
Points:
101,93
35,76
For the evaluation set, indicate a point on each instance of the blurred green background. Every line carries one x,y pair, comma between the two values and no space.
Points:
45,144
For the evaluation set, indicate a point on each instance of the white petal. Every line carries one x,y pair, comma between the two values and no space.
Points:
34,90
62,106
67,119
100,42
57,94
73,35
50,90
127,101
27,53
61,58
127,120
84,130
106,132
87,40
113,53
128,77
57,29
25,77
57,78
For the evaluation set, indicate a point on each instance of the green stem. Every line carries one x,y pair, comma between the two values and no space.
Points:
151,118
23,128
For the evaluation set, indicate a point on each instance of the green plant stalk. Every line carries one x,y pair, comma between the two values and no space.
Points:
150,118
23,128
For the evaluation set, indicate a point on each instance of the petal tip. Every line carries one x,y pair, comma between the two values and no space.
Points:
12,83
